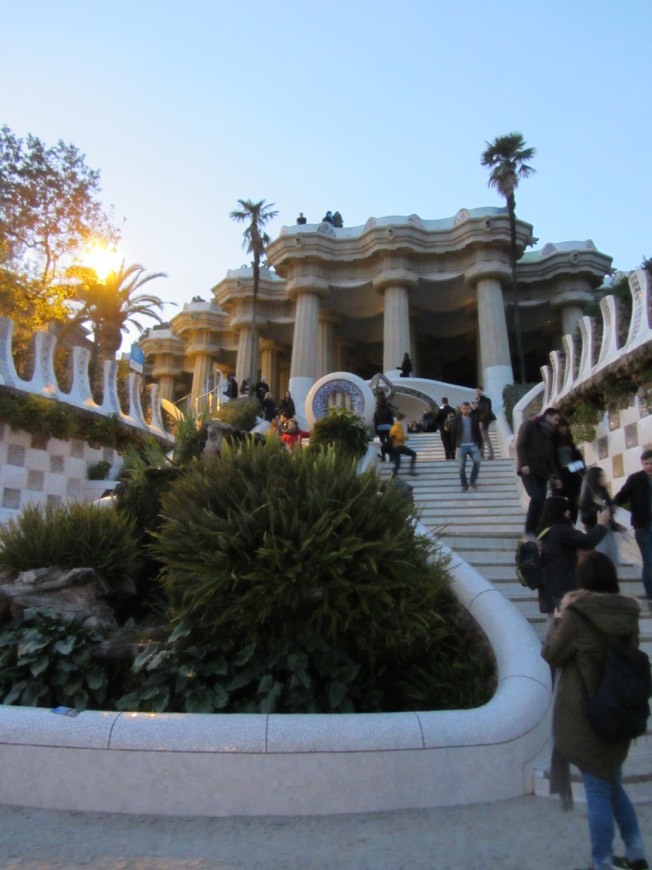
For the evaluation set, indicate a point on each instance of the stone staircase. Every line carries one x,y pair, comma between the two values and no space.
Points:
483,526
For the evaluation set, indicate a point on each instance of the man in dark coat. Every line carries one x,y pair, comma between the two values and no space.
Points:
444,421
637,493
536,463
486,417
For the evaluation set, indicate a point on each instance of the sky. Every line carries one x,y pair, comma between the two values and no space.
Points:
369,107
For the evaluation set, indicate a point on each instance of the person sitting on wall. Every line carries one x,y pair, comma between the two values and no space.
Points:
338,223
328,218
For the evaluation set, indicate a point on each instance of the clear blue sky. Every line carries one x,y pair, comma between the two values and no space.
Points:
372,108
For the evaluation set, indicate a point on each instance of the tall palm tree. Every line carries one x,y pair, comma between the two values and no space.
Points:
255,240
113,304
507,157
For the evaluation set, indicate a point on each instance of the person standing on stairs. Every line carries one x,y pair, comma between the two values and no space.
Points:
468,440
536,464
486,417
637,494
444,421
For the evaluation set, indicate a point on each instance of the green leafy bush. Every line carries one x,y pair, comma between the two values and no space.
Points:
342,429
188,443
99,470
70,536
240,413
265,543
46,663
188,674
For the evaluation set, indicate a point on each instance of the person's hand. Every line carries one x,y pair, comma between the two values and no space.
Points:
604,516
525,470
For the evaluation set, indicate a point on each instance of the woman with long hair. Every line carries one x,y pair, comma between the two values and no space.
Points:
594,497
286,405
571,465
560,541
590,618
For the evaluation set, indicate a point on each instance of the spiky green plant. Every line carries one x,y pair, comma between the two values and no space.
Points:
70,536
342,429
263,542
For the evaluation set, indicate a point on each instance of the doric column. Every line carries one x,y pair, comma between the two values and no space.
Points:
495,362
306,291
396,326
570,319
326,354
269,357
243,361
201,376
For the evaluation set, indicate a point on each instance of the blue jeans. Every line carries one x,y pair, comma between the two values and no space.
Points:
607,800
536,488
644,541
473,451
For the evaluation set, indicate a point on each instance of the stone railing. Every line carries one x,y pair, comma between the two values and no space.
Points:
622,433
44,383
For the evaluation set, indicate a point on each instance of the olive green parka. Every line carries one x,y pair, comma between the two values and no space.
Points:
575,648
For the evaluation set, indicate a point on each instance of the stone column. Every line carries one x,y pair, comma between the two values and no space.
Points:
495,362
326,346
201,376
243,361
166,387
570,319
269,353
396,327
306,290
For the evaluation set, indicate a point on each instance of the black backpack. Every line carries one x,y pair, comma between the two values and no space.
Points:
619,710
528,563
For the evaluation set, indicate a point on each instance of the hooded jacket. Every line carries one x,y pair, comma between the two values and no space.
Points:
573,646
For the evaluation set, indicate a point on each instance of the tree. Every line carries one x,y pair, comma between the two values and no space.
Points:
112,305
507,157
255,240
49,207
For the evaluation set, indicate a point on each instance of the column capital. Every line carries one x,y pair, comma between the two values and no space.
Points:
307,284
496,270
395,278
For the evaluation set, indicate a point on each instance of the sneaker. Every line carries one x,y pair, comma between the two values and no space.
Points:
465,489
639,864
414,473
474,486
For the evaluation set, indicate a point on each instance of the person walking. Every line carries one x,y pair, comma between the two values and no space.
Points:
595,497
570,465
468,440
486,417
536,463
578,649
383,422
560,541
444,421
637,494
398,435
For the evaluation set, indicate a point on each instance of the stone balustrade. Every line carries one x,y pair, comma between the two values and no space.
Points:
44,383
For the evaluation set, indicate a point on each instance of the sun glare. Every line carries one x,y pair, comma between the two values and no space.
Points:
102,259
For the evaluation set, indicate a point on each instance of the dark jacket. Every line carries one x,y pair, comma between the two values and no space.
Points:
485,411
475,430
534,448
383,415
637,493
441,415
573,646
287,408
559,557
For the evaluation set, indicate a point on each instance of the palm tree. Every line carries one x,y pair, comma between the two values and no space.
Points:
507,157
113,304
255,239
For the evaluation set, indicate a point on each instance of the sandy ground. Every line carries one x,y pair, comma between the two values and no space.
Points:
526,833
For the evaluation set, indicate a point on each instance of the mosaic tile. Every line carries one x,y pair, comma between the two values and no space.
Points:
15,455
35,480
631,435
57,464
11,498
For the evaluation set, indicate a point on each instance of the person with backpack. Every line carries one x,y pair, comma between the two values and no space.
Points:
444,420
590,619
560,541
536,463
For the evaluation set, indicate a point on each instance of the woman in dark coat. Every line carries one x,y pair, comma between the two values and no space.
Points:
571,465
286,406
560,542
269,407
573,646
593,498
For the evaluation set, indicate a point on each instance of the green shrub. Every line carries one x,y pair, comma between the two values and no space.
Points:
99,470
262,542
188,443
240,413
188,674
46,663
342,429
70,536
